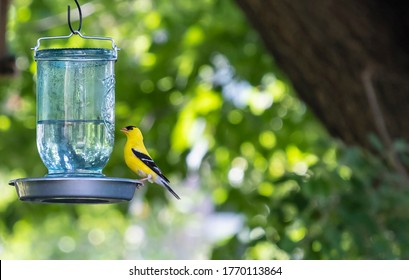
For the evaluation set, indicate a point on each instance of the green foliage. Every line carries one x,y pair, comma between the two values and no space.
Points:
258,176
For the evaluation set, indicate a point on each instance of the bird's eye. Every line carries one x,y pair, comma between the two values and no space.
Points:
130,127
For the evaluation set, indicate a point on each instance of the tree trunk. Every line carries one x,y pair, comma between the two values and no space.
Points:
348,60
7,61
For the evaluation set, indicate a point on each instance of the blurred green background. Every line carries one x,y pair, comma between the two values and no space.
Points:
259,177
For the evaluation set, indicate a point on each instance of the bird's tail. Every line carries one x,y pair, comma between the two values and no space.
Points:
167,186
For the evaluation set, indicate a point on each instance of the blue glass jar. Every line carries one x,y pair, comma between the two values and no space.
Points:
75,110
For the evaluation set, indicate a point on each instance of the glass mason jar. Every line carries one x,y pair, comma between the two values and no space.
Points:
75,110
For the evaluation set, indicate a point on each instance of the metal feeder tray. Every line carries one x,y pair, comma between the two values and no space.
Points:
86,190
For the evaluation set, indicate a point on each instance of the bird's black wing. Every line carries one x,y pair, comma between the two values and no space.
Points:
150,163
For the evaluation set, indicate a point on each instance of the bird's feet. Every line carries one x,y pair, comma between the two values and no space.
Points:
147,178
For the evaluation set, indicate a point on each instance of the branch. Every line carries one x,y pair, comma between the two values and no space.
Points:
380,124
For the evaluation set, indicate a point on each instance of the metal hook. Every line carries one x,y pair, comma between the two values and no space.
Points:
69,18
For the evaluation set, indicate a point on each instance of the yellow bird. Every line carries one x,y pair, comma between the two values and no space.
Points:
139,161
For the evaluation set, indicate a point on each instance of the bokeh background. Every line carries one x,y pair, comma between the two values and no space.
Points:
259,176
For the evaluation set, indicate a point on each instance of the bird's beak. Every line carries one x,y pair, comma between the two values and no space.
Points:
124,130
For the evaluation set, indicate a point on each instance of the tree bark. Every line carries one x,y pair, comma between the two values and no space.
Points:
7,61
348,60
3,22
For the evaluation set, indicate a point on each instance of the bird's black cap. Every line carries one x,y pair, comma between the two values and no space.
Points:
130,127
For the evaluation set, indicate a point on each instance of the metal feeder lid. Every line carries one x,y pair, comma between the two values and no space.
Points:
85,190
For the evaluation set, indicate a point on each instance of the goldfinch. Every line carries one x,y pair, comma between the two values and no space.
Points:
139,161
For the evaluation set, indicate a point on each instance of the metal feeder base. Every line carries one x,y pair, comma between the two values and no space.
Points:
88,190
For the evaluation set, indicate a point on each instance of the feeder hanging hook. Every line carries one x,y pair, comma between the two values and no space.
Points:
69,18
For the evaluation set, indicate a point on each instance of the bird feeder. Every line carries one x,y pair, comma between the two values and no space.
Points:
75,125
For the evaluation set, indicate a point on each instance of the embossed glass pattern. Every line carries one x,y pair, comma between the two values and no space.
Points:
75,110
